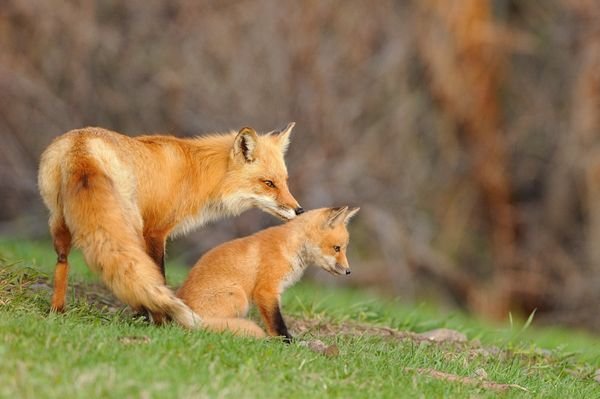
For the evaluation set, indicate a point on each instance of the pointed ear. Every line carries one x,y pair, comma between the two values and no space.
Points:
335,216
244,144
283,137
351,212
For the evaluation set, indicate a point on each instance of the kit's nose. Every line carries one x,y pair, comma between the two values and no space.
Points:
348,272
299,210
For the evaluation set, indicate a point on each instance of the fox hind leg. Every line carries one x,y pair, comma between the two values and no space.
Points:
155,248
61,237
224,310
218,302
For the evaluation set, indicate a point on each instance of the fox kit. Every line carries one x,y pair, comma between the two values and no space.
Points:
118,198
258,268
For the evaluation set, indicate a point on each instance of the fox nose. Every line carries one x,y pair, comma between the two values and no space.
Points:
299,210
348,272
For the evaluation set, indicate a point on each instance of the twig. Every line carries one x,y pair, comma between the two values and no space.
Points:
440,375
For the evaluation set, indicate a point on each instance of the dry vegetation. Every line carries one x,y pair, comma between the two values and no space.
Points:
466,130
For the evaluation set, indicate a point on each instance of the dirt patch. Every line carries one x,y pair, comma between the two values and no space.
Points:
94,294
318,346
326,328
98,296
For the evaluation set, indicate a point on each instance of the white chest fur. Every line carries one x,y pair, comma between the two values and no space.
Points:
229,206
208,213
295,273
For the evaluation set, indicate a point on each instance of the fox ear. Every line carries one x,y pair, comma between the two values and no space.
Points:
350,213
245,143
283,137
335,216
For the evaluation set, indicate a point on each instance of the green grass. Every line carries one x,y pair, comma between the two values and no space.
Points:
92,352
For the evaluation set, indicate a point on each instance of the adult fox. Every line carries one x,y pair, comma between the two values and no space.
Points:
258,268
118,198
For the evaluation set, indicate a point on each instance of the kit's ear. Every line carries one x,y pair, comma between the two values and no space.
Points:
283,137
350,214
335,216
244,145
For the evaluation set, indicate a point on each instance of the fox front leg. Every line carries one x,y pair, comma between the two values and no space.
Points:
155,248
279,325
268,304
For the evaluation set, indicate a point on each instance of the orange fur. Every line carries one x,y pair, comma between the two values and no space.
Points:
118,198
258,268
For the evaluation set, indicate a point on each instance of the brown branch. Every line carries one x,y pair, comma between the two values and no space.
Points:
496,386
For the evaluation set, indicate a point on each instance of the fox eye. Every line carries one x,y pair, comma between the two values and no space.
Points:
336,248
269,183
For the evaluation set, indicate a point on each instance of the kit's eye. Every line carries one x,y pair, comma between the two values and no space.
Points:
336,248
269,183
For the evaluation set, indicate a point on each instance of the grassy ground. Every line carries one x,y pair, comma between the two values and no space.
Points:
97,349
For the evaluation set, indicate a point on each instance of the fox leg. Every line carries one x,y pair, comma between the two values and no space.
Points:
237,326
62,245
155,247
267,302
224,310
228,302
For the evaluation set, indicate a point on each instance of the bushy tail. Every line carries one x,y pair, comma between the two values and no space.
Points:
113,245
242,327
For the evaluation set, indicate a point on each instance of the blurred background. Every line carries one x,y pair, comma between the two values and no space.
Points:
468,131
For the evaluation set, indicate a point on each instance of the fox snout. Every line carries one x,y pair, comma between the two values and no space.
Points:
286,213
282,205
287,201
297,211
339,269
